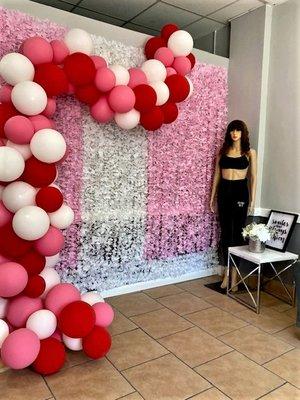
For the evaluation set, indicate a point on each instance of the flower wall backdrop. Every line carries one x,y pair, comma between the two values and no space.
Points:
140,198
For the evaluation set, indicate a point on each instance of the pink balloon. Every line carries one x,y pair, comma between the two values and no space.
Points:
13,279
182,65
164,55
5,215
60,51
38,50
3,259
137,77
104,314
105,79
101,110
121,99
19,129
20,348
20,308
50,108
51,243
99,62
41,122
170,71
60,296
5,94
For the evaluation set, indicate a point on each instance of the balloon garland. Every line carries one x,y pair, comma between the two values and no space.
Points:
39,315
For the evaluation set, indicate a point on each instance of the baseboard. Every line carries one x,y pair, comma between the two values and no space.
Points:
136,287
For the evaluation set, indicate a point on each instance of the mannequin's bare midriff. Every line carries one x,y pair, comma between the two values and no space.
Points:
234,174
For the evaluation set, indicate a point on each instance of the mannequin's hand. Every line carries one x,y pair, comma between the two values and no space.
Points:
251,209
212,206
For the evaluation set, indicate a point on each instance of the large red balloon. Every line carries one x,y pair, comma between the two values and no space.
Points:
52,78
88,94
192,59
38,173
51,357
152,119
33,262
35,287
145,98
80,69
11,245
167,30
179,88
77,319
154,44
49,198
97,343
7,110
170,111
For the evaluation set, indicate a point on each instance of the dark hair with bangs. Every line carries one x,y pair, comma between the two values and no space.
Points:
239,126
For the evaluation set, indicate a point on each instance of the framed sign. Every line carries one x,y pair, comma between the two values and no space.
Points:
283,224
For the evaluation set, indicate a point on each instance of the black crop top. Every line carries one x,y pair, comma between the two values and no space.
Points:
226,162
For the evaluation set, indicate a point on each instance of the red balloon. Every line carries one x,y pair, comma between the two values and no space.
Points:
97,343
167,30
145,98
192,59
38,173
152,45
11,245
77,319
80,69
179,88
7,110
35,287
51,357
52,78
170,111
33,262
88,94
49,198
152,119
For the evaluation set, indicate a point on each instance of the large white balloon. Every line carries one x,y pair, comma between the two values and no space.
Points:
17,195
11,164
128,120
162,92
48,145
23,149
51,261
43,323
51,278
154,70
3,307
62,218
72,343
78,40
4,331
121,74
16,68
29,98
181,43
92,298
31,223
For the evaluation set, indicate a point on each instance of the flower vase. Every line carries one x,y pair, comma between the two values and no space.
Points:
256,246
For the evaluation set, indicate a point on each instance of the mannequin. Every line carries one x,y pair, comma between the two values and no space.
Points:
235,161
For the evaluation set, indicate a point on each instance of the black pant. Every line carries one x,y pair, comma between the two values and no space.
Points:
233,201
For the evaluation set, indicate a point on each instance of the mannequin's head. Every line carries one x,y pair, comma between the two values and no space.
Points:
236,131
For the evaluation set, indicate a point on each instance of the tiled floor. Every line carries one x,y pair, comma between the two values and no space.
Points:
179,342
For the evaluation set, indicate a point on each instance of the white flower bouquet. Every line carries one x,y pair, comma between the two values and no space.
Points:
256,232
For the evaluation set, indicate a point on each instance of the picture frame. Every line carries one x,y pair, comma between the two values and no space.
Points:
284,223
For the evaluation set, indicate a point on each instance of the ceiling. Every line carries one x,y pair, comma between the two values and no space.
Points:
199,17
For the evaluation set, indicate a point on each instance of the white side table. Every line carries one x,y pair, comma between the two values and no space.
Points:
258,259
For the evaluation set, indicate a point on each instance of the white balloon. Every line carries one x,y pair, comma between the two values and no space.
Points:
1,191
191,87
154,70
121,74
29,98
92,298
43,323
72,343
23,149
51,278
78,40
162,92
4,331
16,68
11,164
31,222
181,43
62,218
51,261
48,145
128,120
3,307
17,195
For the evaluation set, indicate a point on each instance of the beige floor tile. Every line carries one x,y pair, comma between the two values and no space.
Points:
133,348
268,300
120,324
75,358
90,381
238,377
161,323
211,279
287,367
210,394
134,304
196,287
184,303
292,313
255,344
215,321
162,291
132,396
282,307
23,385
285,392
225,303
194,346
290,335
166,378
